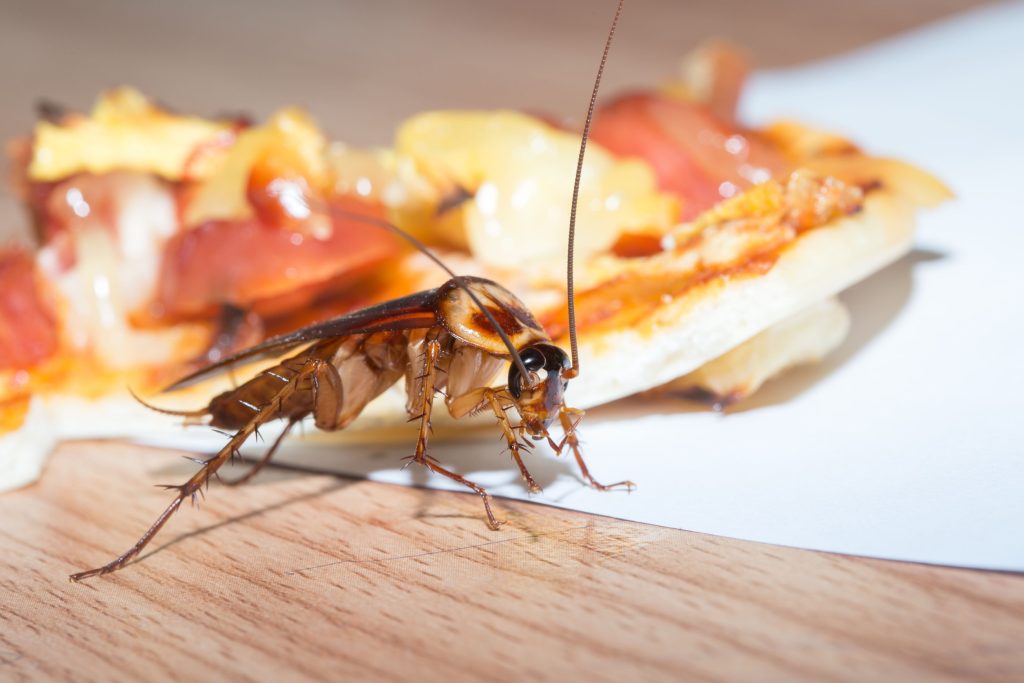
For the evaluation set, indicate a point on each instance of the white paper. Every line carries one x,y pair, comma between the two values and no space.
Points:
904,444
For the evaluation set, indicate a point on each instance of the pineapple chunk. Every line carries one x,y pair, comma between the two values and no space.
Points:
125,131
288,147
517,173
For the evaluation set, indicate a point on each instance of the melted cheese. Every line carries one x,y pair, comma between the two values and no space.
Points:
125,131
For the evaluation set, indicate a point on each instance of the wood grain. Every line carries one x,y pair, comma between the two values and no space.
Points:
311,577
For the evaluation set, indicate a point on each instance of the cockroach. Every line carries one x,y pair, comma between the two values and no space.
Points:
451,340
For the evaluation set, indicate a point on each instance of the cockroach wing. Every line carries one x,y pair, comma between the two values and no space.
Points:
464,320
409,312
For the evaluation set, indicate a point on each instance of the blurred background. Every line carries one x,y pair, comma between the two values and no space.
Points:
362,67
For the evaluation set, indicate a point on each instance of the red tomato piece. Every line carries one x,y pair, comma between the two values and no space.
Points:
694,155
245,264
28,327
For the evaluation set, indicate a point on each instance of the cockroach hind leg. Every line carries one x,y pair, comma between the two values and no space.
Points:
195,484
263,462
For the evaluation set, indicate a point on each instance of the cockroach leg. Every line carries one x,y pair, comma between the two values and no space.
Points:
569,426
492,521
328,394
430,357
510,438
189,488
254,470
194,485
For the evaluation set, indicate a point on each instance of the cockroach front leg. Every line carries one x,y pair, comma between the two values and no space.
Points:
431,354
566,416
510,439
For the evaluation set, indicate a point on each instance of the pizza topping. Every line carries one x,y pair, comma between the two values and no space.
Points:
712,75
800,143
740,237
160,231
696,156
96,296
125,131
518,173
132,214
28,325
273,171
244,223
246,264
638,244
13,412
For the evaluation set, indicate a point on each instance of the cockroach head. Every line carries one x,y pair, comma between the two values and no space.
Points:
539,395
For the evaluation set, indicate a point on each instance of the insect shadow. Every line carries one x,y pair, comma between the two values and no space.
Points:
465,455
277,473
301,456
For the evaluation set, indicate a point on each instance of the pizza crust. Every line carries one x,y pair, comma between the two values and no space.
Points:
802,338
688,331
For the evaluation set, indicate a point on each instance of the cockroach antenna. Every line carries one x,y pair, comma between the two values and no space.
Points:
570,292
180,413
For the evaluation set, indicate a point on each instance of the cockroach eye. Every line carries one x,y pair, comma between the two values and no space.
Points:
535,358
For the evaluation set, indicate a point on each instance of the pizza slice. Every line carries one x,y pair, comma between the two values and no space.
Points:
167,241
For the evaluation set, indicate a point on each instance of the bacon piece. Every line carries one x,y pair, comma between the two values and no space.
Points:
245,264
28,327
694,155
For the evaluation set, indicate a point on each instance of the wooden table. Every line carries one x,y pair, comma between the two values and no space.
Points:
302,576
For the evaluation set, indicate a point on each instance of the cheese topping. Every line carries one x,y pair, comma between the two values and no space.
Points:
125,131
